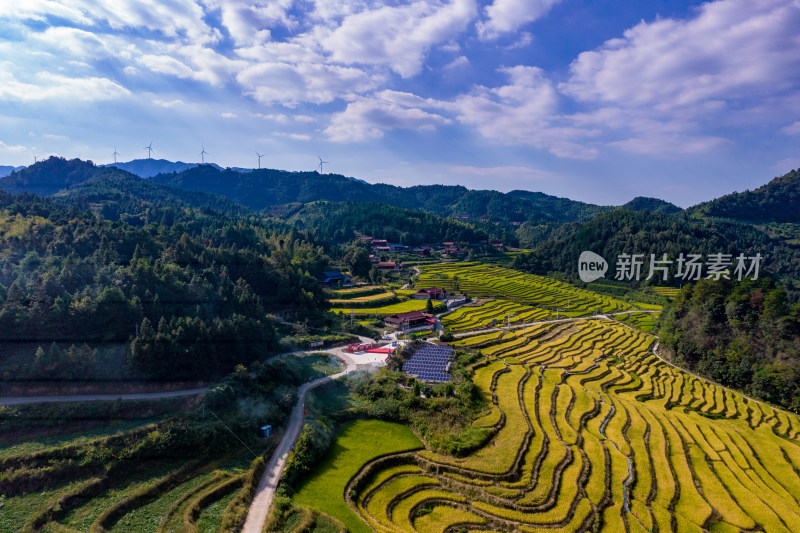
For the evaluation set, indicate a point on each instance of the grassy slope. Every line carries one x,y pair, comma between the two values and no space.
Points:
358,442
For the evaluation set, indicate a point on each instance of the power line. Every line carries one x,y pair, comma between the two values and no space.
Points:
231,431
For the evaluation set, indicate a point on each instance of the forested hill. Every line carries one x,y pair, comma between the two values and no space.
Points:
342,222
264,188
644,203
54,174
777,201
198,282
631,232
139,202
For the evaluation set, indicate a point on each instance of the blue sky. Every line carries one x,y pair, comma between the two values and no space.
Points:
597,101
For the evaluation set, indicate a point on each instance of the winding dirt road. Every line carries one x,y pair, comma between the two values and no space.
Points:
18,400
265,492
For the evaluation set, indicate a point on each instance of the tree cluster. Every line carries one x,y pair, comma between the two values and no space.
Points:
744,335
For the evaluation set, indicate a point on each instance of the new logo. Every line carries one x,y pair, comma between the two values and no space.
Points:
591,267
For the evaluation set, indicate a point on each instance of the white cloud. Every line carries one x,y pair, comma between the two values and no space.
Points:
228,114
398,36
282,118
505,16
524,112
671,144
664,84
39,10
460,61
54,86
293,84
525,39
79,43
12,148
294,136
248,22
164,64
732,49
171,18
370,118
792,129
168,103
330,10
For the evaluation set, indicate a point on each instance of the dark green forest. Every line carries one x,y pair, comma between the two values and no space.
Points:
777,201
628,232
264,188
342,222
69,275
744,335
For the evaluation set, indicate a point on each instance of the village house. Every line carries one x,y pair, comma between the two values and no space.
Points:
333,278
411,319
431,293
390,266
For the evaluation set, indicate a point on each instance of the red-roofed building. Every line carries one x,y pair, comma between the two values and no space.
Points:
390,266
431,293
410,319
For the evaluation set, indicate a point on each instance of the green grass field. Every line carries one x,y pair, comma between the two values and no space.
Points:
357,443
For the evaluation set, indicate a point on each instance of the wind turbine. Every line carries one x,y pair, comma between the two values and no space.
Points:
203,155
259,159
149,149
116,154
321,162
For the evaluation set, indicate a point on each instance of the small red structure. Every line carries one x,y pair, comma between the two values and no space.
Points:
389,351
359,347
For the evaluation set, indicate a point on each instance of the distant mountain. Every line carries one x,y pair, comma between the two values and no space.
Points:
777,201
147,168
644,203
124,197
264,188
111,189
52,175
5,170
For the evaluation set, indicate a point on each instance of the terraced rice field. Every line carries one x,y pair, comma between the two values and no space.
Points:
376,298
643,321
669,292
159,495
487,281
592,430
402,307
493,313
359,290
